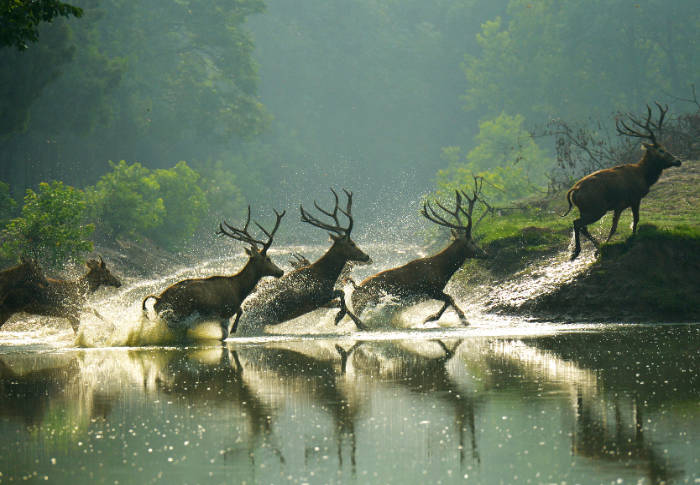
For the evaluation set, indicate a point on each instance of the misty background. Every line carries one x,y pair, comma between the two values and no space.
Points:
270,103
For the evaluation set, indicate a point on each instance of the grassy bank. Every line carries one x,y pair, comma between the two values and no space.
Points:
653,275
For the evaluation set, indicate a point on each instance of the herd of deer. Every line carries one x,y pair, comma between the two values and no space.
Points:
310,286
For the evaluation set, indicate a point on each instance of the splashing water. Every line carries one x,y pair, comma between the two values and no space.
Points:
121,322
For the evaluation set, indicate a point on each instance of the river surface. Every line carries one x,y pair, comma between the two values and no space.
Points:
500,401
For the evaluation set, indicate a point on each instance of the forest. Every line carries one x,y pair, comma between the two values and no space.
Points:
157,119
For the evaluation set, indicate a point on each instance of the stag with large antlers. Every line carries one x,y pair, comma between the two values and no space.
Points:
311,286
219,297
623,186
56,297
425,278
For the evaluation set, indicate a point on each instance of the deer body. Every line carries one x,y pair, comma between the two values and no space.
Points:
425,278
58,297
219,297
617,188
311,286
303,290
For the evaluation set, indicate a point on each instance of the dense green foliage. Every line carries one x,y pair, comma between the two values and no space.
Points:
19,19
130,80
51,227
269,101
165,205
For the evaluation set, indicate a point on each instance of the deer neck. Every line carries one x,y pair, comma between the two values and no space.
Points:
85,285
651,171
452,257
330,264
246,279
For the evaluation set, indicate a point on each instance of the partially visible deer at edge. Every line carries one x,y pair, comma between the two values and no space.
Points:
623,186
312,286
426,278
220,297
54,297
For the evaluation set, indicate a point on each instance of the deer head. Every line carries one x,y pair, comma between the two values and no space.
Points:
257,252
340,236
98,275
655,153
462,233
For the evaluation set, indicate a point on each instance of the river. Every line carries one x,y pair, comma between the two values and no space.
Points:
500,401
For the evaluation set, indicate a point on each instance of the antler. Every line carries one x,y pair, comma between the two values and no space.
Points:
244,236
337,228
429,213
648,126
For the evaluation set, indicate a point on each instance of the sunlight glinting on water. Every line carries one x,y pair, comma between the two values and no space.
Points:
123,323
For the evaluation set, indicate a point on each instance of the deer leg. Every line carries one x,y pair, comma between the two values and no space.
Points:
5,316
235,322
449,301
635,216
616,218
74,323
344,311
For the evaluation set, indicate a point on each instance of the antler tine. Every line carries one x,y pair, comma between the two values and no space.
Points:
431,214
239,234
306,217
348,211
662,115
648,126
270,235
338,229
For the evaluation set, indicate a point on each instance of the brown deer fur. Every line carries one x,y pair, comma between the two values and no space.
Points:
311,286
58,297
219,297
617,188
425,278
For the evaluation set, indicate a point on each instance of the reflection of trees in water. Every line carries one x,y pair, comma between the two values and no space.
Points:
615,379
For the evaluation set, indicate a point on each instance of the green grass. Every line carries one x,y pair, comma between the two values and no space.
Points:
533,228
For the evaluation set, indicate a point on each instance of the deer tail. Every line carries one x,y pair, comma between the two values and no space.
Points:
568,198
143,304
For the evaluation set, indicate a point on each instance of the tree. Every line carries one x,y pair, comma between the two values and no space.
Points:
20,19
505,155
51,227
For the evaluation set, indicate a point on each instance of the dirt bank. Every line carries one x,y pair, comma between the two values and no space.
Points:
651,277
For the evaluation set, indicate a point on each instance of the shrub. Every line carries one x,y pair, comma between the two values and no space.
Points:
126,202
51,227
7,204
184,201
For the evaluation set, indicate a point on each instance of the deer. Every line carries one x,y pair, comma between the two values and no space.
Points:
26,274
425,278
310,286
55,297
220,297
617,188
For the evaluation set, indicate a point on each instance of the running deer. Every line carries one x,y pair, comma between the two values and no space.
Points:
54,297
220,297
623,186
425,278
311,286
27,275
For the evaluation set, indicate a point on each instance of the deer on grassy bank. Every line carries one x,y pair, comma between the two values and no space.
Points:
54,297
311,286
425,278
220,297
623,186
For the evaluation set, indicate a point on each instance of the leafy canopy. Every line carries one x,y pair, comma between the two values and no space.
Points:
20,19
51,227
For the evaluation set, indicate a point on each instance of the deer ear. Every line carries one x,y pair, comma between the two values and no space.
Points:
249,251
334,237
92,264
646,146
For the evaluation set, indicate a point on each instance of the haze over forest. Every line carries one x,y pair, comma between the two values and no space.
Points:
272,102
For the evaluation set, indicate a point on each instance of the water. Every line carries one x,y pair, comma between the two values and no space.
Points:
500,401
